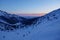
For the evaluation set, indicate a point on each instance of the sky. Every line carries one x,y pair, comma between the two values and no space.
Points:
29,6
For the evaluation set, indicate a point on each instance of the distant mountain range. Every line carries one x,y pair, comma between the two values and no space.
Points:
12,21
14,27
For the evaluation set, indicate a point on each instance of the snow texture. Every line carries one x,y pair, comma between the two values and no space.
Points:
14,27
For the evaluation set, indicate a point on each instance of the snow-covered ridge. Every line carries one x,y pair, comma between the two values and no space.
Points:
45,27
55,14
12,21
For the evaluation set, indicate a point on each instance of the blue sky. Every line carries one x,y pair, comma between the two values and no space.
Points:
29,6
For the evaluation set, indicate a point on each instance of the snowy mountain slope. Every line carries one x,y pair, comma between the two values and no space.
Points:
10,20
3,13
15,21
49,31
46,27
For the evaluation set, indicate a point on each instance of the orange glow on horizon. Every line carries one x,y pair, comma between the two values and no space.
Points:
40,14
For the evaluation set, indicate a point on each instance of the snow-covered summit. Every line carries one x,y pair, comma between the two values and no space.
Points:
55,14
3,13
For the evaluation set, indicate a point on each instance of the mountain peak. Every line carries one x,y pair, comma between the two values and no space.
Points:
3,13
58,9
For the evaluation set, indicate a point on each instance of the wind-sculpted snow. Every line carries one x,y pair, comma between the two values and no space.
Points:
16,27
